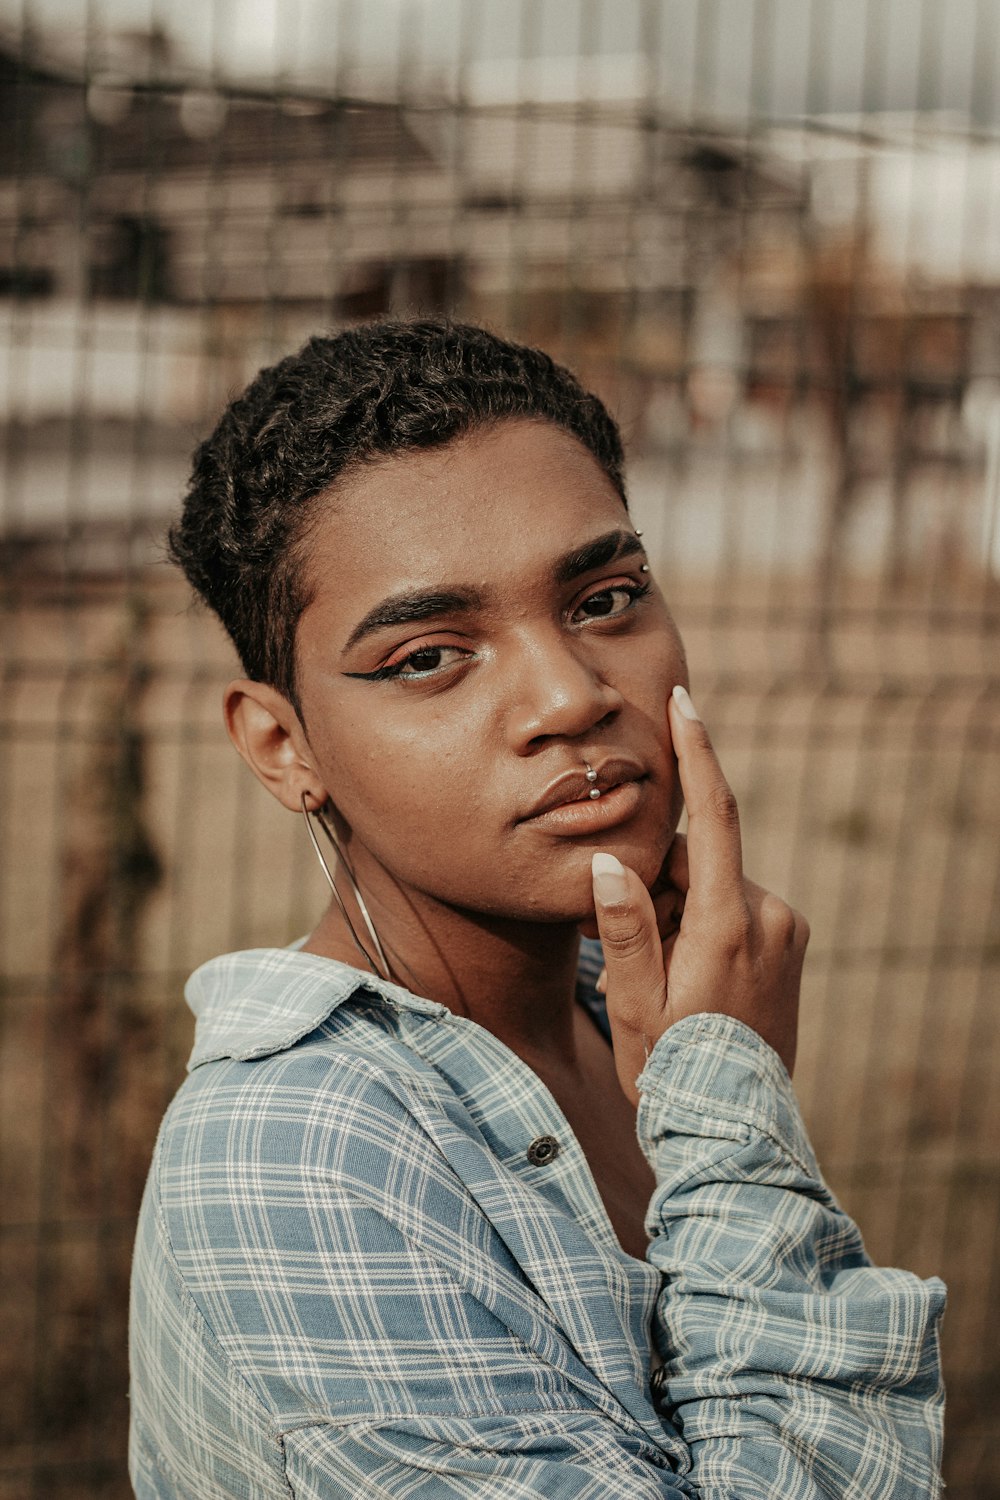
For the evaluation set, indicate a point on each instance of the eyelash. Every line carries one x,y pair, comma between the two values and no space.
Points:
635,591
394,671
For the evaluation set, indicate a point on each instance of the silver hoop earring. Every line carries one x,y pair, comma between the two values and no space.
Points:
381,967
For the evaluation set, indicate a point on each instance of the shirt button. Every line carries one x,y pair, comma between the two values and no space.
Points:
543,1149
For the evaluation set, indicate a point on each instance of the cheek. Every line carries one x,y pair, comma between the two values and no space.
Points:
409,796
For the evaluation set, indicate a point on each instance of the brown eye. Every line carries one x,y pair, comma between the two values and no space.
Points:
424,661
427,660
608,603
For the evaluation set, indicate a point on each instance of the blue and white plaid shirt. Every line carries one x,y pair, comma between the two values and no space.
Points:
353,1277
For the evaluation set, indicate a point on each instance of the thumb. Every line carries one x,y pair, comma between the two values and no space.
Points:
636,987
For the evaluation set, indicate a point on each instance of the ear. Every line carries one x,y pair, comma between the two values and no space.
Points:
266,730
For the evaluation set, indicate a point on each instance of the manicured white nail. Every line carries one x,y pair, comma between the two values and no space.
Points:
683,700
610,884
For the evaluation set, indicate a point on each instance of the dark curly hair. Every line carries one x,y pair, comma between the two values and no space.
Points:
338,403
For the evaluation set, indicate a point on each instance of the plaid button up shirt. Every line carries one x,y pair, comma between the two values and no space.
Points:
354,1277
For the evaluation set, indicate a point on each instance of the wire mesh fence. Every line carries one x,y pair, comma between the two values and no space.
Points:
769,235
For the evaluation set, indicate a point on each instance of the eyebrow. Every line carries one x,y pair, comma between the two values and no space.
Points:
407,608
404,609
595,554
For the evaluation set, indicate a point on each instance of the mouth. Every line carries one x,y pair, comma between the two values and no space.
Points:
568,806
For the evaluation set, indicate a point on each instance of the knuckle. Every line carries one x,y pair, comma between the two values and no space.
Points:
779,920
722,805
736,931
626,1017
626,940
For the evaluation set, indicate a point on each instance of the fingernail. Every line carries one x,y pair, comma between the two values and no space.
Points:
683,700
610,884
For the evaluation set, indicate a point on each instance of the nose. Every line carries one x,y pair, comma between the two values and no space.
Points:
556,693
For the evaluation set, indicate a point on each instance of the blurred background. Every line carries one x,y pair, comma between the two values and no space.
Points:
768,232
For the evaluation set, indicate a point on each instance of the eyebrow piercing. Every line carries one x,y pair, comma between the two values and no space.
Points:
595,791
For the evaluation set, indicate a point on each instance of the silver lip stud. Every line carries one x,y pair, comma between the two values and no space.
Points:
595,792
591,773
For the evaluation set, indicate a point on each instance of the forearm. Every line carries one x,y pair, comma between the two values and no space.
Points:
786,1355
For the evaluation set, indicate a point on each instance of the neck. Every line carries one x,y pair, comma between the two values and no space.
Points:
517,979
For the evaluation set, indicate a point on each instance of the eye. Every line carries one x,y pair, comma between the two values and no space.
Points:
426,661
417,665
610,602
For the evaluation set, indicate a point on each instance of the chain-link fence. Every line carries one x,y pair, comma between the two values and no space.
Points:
769,235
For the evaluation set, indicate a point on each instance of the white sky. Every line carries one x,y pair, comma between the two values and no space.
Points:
783,57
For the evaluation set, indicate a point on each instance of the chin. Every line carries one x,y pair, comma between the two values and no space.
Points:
572,894
645,858
641,849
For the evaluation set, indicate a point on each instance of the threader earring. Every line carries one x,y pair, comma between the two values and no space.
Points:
381,966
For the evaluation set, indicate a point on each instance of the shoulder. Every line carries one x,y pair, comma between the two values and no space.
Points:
343,1144
292,1191
345,1093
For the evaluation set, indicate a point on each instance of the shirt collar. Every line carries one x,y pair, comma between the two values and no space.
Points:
264,1000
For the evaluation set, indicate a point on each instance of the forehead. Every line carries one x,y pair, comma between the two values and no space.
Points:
499,501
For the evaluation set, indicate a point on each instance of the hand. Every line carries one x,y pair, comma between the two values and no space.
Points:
737,949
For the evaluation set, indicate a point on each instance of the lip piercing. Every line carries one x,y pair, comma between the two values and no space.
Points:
638,532
595,791
644,568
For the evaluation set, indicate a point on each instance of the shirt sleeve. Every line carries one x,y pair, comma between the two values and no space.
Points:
791,1365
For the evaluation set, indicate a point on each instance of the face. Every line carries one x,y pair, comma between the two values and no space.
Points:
480,630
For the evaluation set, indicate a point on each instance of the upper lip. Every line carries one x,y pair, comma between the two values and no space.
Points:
573,785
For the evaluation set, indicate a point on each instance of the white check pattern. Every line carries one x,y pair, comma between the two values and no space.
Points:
350,1280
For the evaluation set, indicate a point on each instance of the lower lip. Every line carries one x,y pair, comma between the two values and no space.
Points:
592,814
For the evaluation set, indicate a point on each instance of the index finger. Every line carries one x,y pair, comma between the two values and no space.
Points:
714,848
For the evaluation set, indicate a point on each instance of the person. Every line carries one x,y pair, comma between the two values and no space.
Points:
429,1217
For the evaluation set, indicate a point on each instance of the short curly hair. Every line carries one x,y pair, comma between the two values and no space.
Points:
340,402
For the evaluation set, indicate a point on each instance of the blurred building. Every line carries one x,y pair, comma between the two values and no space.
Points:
130,191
